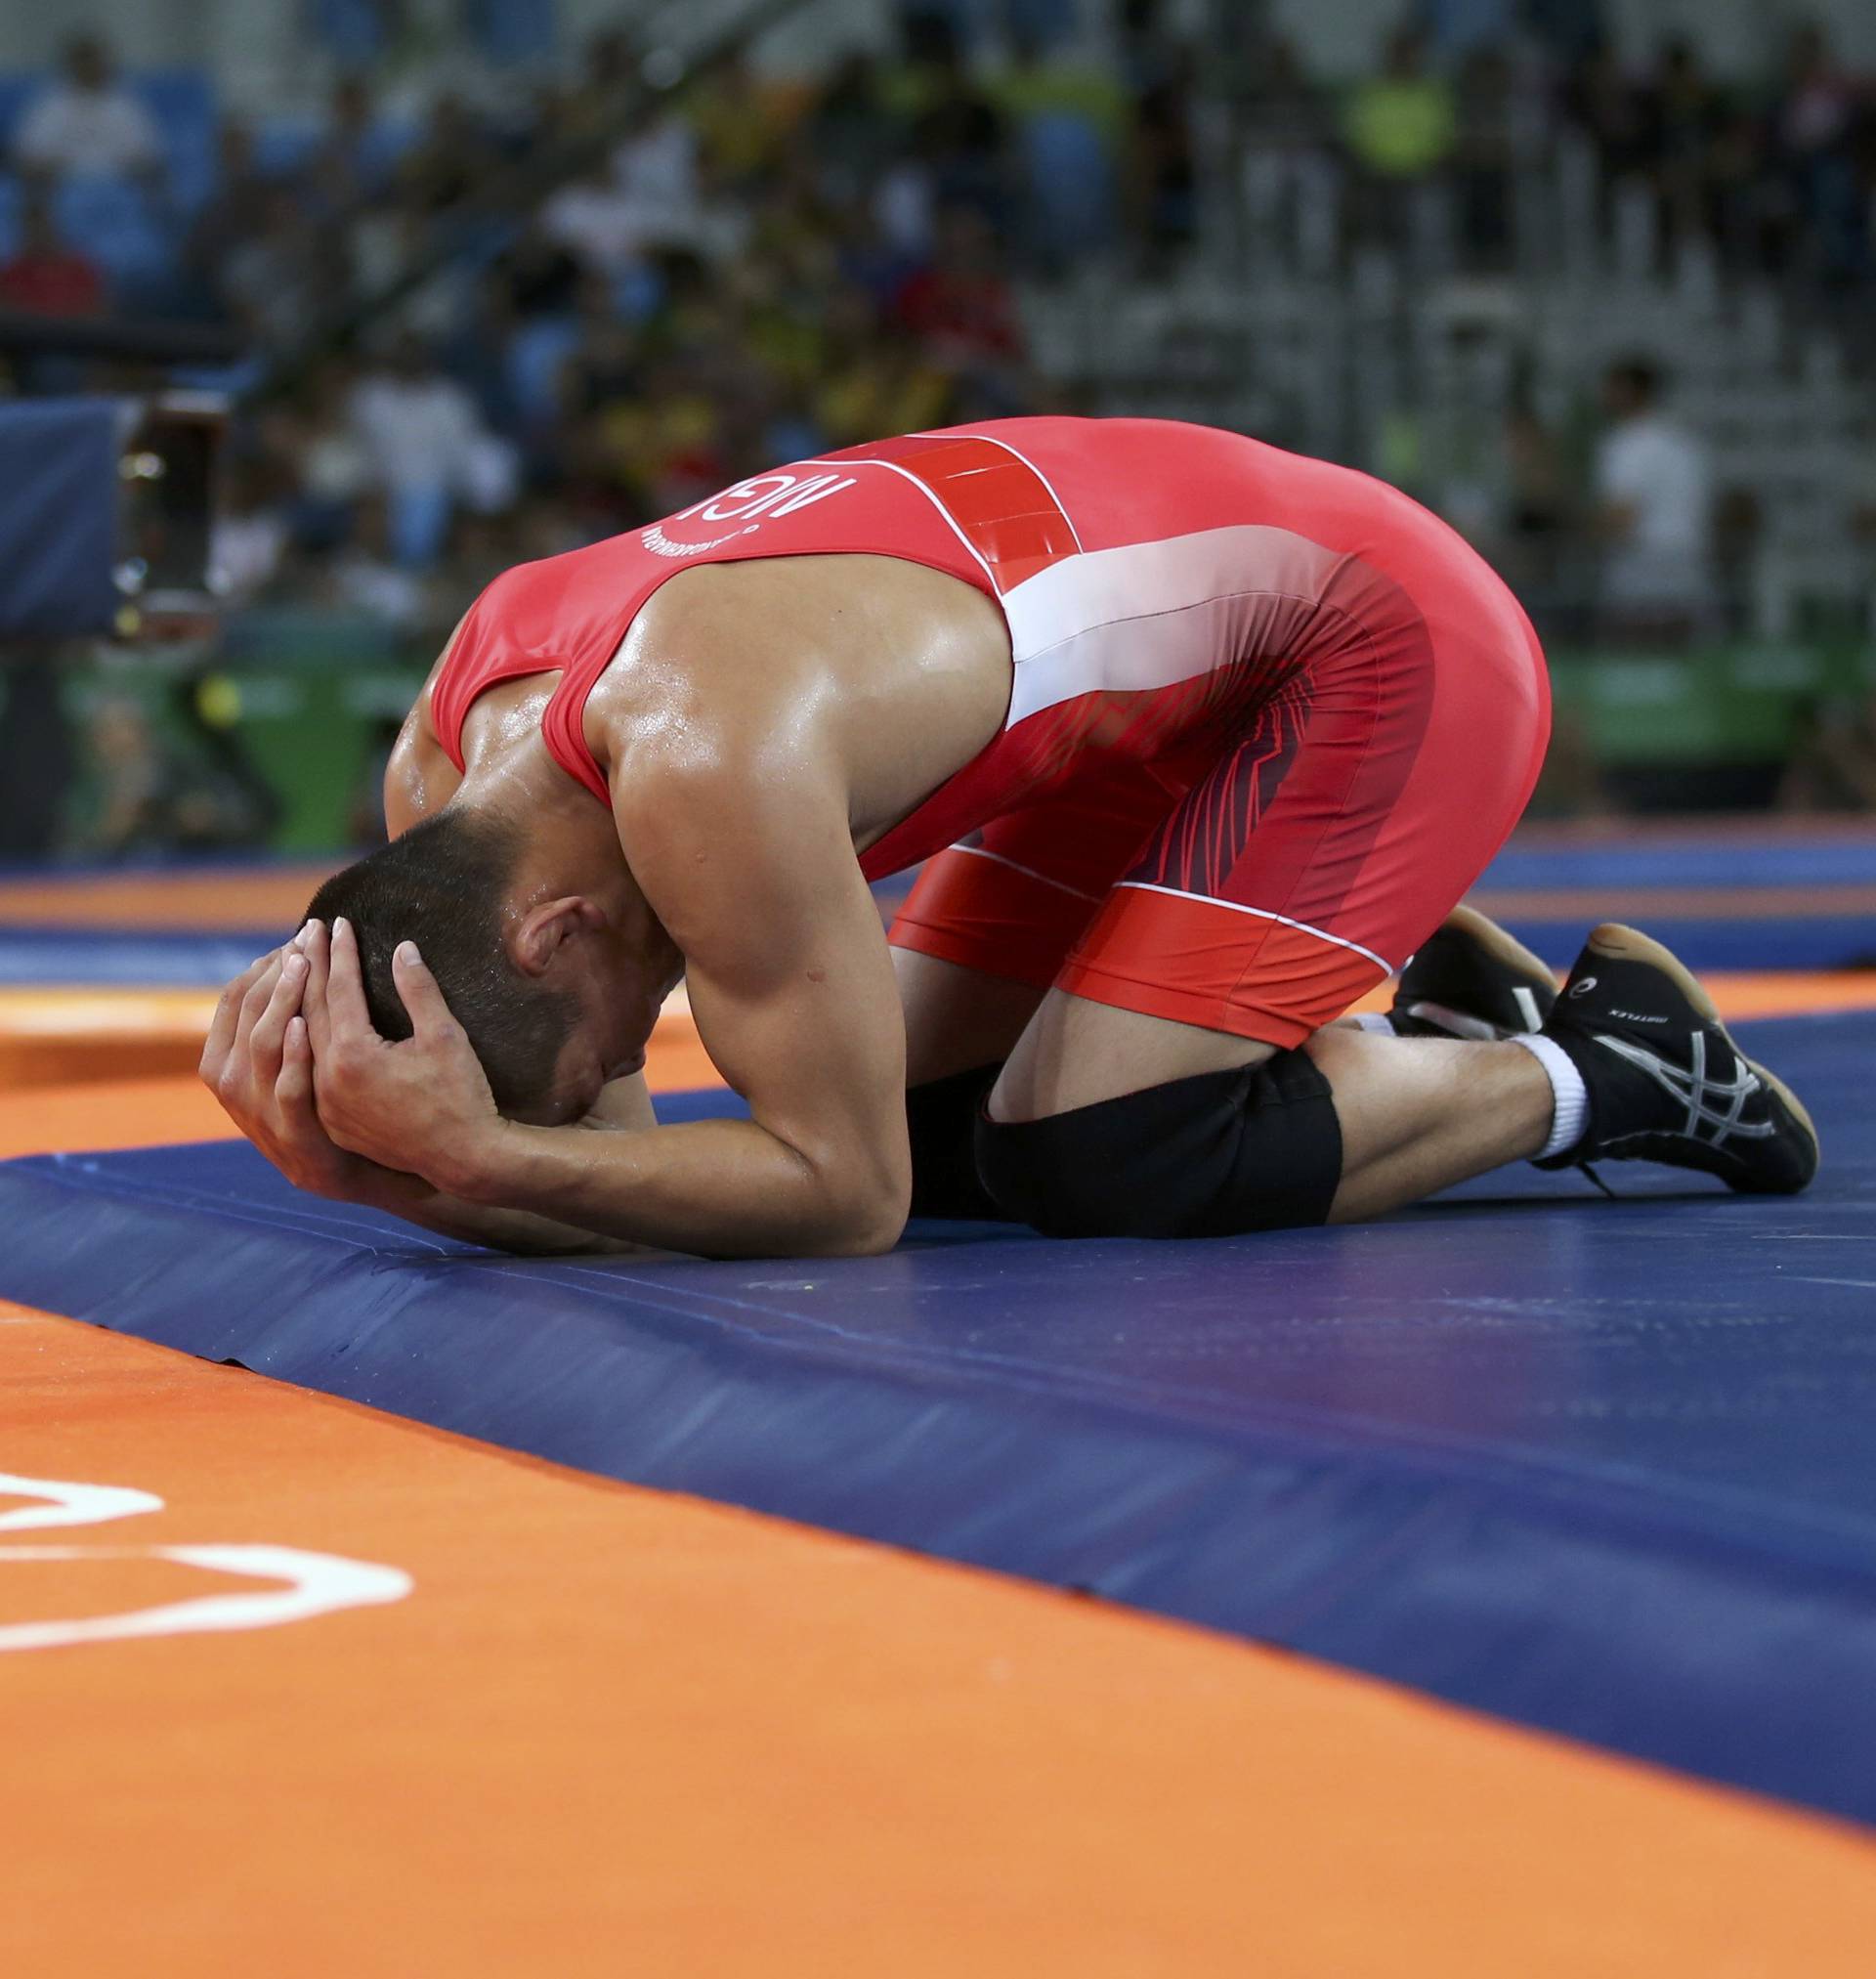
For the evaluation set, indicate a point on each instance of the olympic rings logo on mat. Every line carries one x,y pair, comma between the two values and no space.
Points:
310,1584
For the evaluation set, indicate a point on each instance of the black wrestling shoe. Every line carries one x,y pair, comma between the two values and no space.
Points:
1471,980
1664,1081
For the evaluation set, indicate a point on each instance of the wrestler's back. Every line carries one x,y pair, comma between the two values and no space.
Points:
891,589
898,672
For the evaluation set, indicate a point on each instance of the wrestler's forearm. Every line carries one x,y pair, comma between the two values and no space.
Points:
412,1198
712,1187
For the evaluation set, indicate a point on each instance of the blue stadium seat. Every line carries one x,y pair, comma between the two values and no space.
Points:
420,519
283,145
356,31
1074,198
184,104
513,30
536,354
15,91
111,221
12,198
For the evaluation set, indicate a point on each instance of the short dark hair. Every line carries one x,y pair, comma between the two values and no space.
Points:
440,885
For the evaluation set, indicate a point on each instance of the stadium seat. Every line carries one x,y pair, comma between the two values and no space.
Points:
113,223
184,104
419,520
536,354
513,30
1073,201
15,91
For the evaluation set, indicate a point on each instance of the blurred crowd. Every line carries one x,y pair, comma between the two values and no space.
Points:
755,270
529,314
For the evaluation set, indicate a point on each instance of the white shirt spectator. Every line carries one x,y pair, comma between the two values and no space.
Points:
1660,473
604,226
418,432
647,198
82,132
421,433
244,553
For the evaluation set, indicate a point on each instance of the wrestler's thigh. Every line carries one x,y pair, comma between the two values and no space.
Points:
958,1018
1077,1052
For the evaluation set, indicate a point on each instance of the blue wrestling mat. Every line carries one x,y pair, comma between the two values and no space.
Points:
1603,1468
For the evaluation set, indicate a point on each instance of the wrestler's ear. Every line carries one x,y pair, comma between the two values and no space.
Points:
536,937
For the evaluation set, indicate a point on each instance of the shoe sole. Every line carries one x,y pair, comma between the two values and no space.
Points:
1630,944
1499,945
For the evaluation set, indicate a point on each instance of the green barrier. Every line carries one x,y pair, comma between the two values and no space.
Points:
1744,703
310,701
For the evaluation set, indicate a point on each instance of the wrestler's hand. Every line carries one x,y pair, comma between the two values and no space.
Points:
258,1064
422,1104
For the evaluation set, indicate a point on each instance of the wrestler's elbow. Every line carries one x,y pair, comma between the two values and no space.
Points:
864,1204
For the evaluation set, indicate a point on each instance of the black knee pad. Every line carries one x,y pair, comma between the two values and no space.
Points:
941,1121
1253,1149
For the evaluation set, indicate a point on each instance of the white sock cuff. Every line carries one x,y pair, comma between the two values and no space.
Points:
1375,1022
1569,1096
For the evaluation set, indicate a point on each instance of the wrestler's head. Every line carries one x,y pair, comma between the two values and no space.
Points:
555,996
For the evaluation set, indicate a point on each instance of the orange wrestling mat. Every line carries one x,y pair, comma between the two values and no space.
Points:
473,1714
547,1724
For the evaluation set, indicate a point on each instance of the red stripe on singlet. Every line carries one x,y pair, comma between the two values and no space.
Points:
1001,503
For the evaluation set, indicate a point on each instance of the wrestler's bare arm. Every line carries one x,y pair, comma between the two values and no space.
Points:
745,852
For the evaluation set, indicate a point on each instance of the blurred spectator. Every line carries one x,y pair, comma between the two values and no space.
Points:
129,812
1568,31
1288,175
87,123
874,383
1602,101
598,221
1402,124
350,163
332,467
1165,162
741,124
233,215
249,537
368,577
452,158
426,442
184,784
1539,509
1069,123
962,306
280,277
1457,30
1684,115
852,136
1654,488
1816,130
1400,127
958,149
1484,157
43,276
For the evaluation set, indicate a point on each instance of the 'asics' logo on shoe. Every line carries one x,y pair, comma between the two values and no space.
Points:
1582,986
1697,1092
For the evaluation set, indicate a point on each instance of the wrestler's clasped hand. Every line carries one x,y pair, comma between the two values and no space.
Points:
258,1063
422,1104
